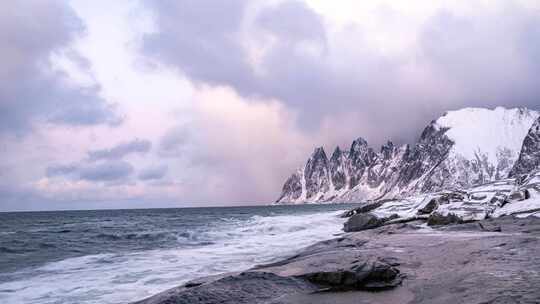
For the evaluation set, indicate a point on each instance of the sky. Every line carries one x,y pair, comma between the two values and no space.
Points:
142,104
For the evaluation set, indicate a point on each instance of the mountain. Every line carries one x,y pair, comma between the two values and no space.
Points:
460,149
529,157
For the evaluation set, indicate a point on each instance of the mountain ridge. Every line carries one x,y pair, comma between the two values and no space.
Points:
461,148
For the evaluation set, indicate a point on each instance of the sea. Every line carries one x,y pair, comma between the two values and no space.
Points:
120,256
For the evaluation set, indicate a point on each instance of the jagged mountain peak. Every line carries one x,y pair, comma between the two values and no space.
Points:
459,149
337,153
318,153
359,144
388,150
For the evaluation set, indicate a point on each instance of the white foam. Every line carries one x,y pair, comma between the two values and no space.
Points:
122,278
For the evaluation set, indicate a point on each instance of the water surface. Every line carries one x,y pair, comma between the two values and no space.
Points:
117,256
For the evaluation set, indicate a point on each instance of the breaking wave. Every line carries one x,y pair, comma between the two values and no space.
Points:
228,244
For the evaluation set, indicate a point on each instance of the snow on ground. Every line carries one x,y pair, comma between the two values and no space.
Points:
495,199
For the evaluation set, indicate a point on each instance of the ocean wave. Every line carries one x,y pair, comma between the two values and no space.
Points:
212,248
10,250
63,231
148,236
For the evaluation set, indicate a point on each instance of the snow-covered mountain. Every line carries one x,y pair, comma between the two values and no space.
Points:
460,149
529,157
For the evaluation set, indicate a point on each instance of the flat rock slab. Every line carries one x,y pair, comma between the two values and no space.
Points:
246,287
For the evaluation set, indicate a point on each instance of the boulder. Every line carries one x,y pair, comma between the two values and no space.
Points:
360,276
362,221
363,209
519,195
437,219
429,207
477,196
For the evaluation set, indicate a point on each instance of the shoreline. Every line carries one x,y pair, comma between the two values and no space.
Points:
402,262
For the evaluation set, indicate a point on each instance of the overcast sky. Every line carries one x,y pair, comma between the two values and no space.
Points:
131,104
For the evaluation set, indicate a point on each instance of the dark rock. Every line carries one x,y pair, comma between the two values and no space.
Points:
371,275
337,167
437,219
362,221
247,287
519,195
363,209
529,157
489,228
429,207
388,150
478,197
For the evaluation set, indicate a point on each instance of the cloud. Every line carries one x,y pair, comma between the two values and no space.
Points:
153,173
121,150
205,47
489,58
175,141
485,56
32,88
100,172
109,171
106,165
233,149
61,170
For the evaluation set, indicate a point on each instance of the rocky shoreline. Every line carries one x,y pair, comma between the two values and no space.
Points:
489,261
476,245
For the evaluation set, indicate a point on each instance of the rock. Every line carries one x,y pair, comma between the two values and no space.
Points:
244,288
401,220
456,197
429,207
360,276
529,157
486,226
440,268
519,195
437,219
363,209
478,197
363,221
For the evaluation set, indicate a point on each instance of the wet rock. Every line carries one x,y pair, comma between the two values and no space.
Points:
437,219
363,221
